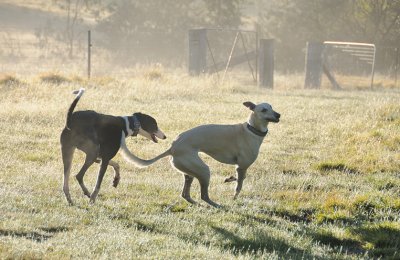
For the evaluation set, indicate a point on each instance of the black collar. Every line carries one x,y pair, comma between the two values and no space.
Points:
133,124
256,131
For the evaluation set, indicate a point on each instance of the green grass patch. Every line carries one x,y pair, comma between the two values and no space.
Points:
38,157
336,166
336,216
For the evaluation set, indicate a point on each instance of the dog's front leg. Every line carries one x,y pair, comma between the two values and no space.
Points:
241,175
102,171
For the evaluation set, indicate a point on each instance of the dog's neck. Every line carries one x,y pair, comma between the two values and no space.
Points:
256,131
256,127
132,126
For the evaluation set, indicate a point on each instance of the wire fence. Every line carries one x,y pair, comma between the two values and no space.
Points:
40,51
44,49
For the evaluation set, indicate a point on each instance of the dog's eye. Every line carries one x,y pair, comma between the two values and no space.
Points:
264,110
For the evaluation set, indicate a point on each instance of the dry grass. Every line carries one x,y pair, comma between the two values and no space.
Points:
53,78
9,80
325,185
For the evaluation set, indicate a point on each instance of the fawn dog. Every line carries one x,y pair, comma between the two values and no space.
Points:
231,144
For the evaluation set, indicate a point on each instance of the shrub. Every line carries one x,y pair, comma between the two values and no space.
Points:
9,80
155,72
53,78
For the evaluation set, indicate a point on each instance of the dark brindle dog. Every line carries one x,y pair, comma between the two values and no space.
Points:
100,137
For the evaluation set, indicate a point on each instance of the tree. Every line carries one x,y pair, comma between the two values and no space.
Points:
74,11
149,30
376,21
294,22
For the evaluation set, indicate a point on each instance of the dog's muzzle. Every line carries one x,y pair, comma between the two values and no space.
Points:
159,134
274,118
277,116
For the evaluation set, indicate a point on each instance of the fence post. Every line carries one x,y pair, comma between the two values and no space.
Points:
396,66
313,65
89,54
266,63
197,51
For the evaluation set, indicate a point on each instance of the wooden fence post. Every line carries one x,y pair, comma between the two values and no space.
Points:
89,55
197,51
266,63
313,65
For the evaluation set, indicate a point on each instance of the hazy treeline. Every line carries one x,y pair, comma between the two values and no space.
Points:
294,22
157,29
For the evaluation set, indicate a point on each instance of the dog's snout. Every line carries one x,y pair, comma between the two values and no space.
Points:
277,116
160,134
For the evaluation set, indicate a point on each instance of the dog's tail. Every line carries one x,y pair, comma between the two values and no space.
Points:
136,160
78,93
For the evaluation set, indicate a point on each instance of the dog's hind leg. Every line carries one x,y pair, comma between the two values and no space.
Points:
117,176
102,171
241,175
186,189
204,181
67,155
192,165
116,168
89,160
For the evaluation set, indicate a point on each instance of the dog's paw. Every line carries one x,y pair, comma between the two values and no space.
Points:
115,182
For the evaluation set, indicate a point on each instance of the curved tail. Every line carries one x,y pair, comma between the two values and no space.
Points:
78,93
136,160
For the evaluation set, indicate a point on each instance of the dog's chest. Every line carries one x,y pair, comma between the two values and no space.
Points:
238,153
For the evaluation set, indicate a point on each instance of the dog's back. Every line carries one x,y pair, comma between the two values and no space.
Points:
224,143
83,119
92,125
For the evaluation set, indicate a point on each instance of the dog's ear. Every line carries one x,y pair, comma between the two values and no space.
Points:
250,105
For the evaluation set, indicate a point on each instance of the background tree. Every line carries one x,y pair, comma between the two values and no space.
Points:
74,10
157,29
294,22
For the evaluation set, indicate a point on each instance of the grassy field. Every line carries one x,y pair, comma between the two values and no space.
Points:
326,184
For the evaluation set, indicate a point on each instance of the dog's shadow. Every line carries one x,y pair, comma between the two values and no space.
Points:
234,243
41,236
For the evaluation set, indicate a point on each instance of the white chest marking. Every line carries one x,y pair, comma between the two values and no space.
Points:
128,129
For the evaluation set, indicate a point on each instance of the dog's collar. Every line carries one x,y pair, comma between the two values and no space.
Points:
256,131
132,126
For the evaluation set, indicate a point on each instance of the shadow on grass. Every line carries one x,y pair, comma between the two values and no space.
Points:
38,237
327,238
238,245
303,216
382,240
377,240
144,227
